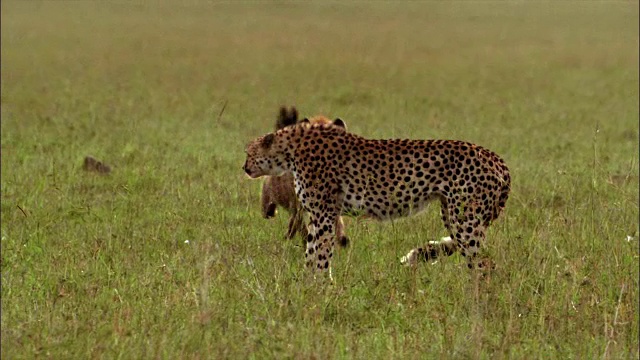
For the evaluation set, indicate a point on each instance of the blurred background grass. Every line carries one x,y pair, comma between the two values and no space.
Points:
168,94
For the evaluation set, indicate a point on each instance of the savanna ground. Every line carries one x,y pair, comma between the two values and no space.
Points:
168,256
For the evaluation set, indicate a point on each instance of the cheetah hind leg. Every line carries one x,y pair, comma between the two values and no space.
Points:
431,251
471,236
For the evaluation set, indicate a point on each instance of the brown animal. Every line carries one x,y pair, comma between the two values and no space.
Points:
280,190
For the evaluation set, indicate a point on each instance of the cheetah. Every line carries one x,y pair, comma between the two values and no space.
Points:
280,191
340,173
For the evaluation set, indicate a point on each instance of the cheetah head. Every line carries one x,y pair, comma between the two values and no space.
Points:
266,155
269,155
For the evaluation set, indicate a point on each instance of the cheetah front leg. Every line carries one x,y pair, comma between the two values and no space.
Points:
320,242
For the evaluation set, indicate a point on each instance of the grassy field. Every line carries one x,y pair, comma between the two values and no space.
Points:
168,257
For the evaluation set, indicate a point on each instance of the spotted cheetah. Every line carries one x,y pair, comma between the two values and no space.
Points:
337,172
280,191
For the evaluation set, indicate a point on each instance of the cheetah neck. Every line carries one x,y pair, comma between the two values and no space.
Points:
289,141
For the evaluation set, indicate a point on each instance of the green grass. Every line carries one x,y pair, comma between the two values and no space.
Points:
97,266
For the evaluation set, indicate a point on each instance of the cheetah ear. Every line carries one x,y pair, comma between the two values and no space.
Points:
305,121
340,122
267,141
286,117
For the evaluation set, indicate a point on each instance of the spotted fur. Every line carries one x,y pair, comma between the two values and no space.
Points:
336,172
